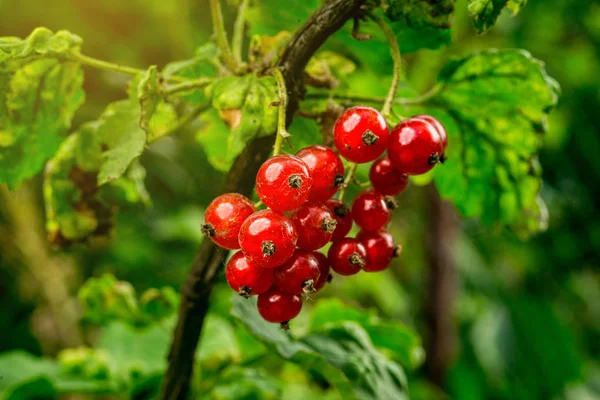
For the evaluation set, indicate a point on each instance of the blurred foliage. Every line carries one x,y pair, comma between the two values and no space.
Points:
528,313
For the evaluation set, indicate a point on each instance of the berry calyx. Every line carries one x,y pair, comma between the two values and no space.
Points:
380,248
276,306
415,146
370,210
245,277
326,169
343,217
315,224
299,274
223,218
347,256
283,183
323,264
386,179
268,238
361,134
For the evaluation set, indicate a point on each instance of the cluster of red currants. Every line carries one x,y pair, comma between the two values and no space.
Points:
279,260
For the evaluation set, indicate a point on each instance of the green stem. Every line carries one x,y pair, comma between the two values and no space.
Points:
188,85
282,132
348,180
395,52
258,204
237,41
378,99
100,64
181,123
221,35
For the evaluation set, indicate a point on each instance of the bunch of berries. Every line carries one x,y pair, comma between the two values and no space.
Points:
278,260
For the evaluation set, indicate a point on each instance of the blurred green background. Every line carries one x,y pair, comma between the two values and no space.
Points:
525,315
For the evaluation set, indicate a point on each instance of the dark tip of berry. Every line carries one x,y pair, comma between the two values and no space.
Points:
397,251
357,260
341,211
268,248
245,291
308,286
348,147
208,230
329,278
285,325
443,158
369,138
329,225
339,180
295,181
434,158
390,202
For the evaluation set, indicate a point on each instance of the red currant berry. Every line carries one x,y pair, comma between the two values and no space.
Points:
371,210
438,127
246,278
385,179
268,238
276,306
283,183
361,134
343,216
380,249
299,274
347,256
315,224
415,146
224,217
325,275
326,169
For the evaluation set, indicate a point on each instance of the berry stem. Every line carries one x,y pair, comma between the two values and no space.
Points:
221,35
348,180
237,40
258,204
396,57
188,85
282,132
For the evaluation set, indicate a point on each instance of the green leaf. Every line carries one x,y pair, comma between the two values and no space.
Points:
25,377
40,90
400,340
269,17
342,354
245,383
420,13
485,12
244,103
492,169
211,136
148,96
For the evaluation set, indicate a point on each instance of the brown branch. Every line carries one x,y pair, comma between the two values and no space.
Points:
441,347
197,287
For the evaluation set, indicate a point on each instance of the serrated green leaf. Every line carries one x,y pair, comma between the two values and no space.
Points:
492,169
25,376
484,13
148,96
40,90
420,13
342,354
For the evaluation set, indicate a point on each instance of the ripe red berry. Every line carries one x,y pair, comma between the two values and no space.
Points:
385,179
276,306
268,238
326,169
361,134
380,249
315,224
343,216
283,183
299,274
439,127
371,210
347,256
415,146
245,277
224,217
325,275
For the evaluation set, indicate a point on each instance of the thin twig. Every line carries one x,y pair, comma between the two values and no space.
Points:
282,132
348,180
237,41
221,35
